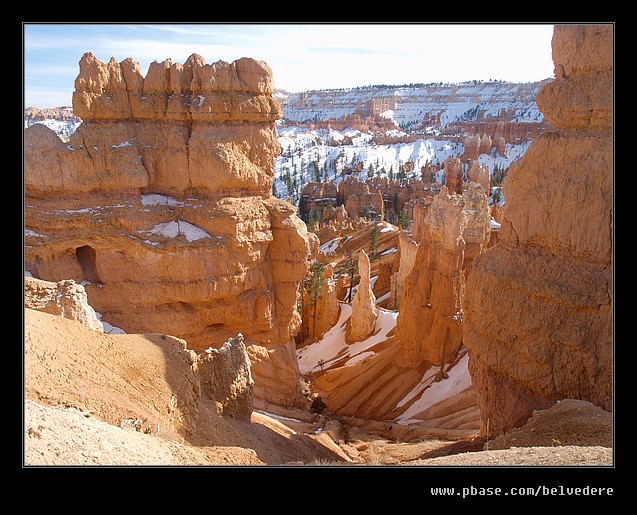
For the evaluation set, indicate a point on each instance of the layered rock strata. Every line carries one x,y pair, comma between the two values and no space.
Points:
161,204
538,313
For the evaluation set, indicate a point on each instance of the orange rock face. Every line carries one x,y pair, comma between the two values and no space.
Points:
160,204
538,313
430,323
364,310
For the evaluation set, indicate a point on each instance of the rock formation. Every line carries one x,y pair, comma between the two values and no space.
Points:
161,204
480,175
224,375
471,147
538,311
63,298
477,230
453,175
364,310
407,249
369,198
431,317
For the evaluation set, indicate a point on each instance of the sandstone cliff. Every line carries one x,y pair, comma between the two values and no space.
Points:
161,204
538,314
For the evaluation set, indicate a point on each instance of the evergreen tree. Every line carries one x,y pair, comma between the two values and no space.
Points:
314,290
404,219
352,270
315,171
373,241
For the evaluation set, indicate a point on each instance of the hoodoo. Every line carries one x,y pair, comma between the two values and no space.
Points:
538,310
161,205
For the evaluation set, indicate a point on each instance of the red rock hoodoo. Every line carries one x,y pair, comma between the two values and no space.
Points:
538,305
160,204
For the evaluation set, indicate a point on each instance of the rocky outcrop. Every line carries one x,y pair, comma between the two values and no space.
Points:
64,298
364,310
454,175
538,311
161,204
407,249
477,230
224,375
430,323
370,198
191,127
480,175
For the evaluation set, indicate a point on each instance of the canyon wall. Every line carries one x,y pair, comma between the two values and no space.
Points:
538,310
160,204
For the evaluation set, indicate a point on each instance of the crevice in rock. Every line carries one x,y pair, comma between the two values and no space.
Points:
86,256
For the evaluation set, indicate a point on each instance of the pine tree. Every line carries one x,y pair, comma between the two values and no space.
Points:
314,289
404,219
373,241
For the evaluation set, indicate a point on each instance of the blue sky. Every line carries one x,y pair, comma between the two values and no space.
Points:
302,56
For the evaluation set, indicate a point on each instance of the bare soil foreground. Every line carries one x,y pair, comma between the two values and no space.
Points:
121,400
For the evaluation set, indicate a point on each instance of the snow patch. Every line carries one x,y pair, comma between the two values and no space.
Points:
123,144
108,328
174,229
332,346
155,199
457,381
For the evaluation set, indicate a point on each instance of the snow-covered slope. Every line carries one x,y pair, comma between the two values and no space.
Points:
429,402
59,119
311,155
407,105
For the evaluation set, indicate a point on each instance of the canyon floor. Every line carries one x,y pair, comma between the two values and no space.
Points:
95,399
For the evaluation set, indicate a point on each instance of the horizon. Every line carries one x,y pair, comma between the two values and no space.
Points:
303,57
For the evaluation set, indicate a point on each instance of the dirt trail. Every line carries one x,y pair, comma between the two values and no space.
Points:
110,400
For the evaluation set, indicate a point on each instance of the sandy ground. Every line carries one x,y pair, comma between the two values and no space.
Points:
125,400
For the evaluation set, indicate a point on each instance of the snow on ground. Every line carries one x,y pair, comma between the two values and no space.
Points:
304,149
174,228
332,346
108,328
329,247
160,200
431,393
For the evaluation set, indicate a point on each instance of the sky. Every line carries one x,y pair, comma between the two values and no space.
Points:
302,56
